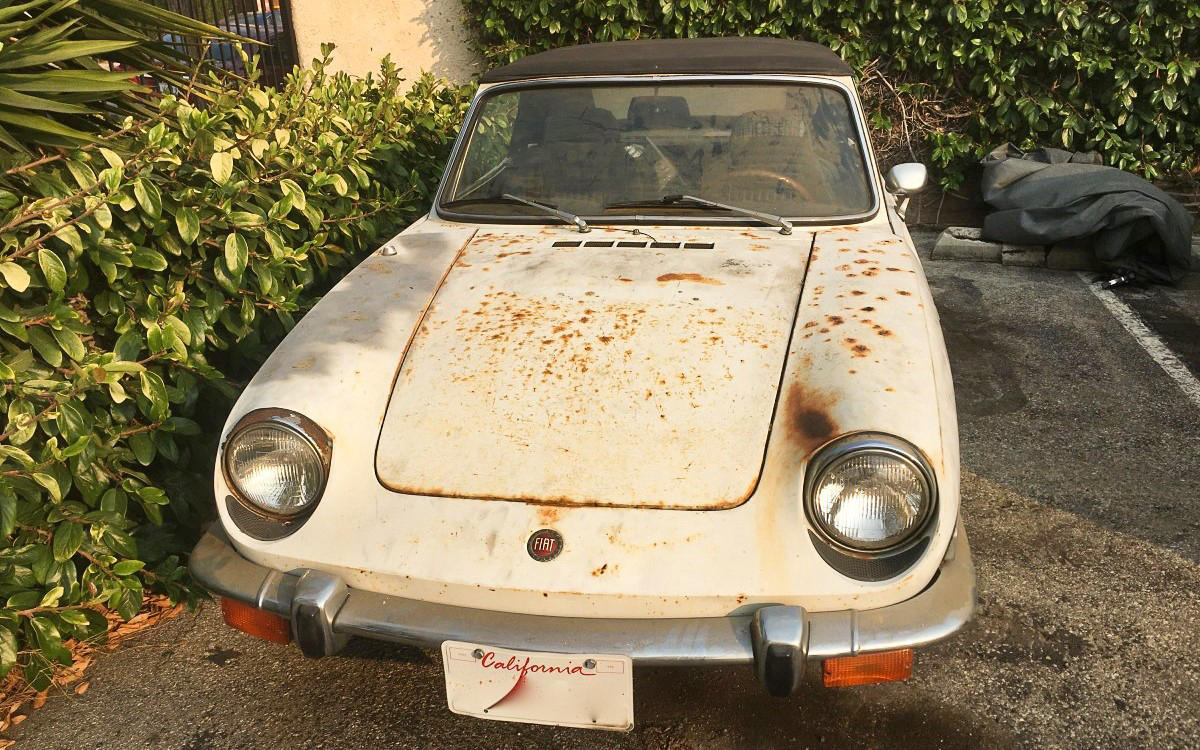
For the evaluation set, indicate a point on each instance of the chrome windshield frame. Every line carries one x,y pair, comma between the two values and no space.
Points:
458,152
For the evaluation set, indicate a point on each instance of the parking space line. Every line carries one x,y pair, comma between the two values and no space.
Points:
1148,340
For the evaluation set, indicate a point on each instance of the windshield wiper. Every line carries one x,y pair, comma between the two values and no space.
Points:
510,198
785,226
568,217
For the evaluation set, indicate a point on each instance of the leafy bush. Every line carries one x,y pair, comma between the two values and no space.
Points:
1118,76
53,89
140,274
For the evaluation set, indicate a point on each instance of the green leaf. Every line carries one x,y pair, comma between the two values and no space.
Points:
143,447
21,424
127,602
8,512
148,197
53,270
44,126
275,243
155,390
50,483
73,420
181,329
128,567
112,157
237,254
8,651
46,637
128,347
16,277
52,596
293,191
187,221
67,539
58,52
69,236
70,343
220,164
85,178
74,617
153,496
148,258
17,455
45,345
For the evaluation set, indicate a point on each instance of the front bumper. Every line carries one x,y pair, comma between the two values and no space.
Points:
779,640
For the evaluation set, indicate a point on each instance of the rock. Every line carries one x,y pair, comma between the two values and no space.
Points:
965,243
1023,255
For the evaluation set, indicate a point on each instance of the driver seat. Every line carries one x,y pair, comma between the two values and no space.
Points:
767,142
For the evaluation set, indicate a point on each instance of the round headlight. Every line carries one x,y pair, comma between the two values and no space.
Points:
871,498
275,468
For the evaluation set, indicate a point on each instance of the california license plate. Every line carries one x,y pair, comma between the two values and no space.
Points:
592,691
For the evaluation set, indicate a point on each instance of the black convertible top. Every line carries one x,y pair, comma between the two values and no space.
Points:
728,55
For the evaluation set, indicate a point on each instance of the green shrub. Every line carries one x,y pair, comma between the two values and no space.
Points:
1120,76
139,278
68,69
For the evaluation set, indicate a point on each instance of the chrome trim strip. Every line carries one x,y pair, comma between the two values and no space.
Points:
455,162
938,612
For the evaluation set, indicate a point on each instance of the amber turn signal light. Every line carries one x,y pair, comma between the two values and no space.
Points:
254,621
868,669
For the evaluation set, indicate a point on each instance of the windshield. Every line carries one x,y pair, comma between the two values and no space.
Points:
788,149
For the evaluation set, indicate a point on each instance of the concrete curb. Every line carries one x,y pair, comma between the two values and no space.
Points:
967,243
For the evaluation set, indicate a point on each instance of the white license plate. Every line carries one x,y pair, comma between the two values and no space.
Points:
592,691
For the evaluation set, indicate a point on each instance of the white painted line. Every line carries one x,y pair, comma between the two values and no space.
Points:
1150,342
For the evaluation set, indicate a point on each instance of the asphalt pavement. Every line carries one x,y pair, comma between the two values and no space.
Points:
1081,497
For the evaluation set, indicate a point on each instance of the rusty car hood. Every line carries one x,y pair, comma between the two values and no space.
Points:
616,372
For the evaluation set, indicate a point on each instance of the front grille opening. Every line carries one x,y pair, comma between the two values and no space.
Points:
598,243
699,245
664,244
567,243
631,244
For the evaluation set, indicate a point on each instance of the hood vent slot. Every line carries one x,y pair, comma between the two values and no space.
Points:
627,243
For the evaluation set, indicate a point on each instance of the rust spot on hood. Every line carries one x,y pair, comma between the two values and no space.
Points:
689,277
807,415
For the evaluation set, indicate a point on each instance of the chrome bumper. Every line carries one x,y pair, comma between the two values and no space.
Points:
779,640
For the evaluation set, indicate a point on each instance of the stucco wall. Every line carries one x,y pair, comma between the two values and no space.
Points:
419,35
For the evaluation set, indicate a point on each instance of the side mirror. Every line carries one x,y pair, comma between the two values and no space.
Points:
906,179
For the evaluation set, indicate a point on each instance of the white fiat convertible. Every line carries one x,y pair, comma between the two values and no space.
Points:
658,380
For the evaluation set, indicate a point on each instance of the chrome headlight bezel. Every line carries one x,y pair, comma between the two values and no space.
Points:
857,444
299,426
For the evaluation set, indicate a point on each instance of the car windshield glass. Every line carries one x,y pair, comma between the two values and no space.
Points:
787,149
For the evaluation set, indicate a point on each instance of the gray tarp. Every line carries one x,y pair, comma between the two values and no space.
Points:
1051,195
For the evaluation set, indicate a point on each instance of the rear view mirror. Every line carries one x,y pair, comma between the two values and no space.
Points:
906,179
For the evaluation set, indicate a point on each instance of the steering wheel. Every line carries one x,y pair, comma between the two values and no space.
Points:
766,174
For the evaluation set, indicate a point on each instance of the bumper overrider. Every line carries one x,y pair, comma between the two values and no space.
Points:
781,641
